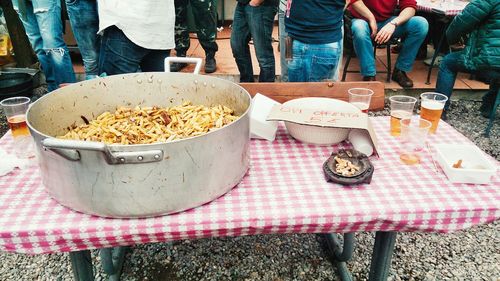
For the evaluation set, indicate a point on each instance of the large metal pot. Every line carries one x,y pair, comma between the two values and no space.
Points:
139,180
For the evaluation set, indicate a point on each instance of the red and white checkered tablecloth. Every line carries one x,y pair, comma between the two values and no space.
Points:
284,192
447,7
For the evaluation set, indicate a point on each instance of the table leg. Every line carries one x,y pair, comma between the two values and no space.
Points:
381,256
112,261
81,262
341,253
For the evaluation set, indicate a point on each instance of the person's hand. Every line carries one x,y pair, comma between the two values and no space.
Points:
255,3
373,27
385,33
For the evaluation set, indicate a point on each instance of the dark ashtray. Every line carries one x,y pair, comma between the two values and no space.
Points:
363,173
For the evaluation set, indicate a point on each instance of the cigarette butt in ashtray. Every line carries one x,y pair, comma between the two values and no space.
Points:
260,128
360,140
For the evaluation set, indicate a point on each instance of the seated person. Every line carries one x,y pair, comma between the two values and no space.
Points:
481,21
374,21
315,26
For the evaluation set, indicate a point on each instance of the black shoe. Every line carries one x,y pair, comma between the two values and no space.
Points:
369,78
402,79
177,66
210,64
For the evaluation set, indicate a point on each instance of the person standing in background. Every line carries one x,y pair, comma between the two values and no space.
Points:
315,29
254,19
283,35
135,35
206,29
43,24
84,20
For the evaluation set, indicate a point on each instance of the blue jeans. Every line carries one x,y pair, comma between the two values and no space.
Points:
313,62
43,25
413,32
453,63
283,35
119,55
254,23
85,24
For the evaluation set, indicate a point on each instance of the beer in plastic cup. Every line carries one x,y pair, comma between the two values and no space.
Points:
413,136
401,108
431,108
15,111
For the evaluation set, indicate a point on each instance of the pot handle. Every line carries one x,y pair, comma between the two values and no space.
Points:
69,150
196,61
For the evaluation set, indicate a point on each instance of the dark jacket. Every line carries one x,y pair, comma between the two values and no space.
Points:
481,20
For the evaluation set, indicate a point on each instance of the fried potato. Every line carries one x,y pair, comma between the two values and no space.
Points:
152,124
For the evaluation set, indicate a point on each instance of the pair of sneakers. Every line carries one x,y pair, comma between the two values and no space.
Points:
210,65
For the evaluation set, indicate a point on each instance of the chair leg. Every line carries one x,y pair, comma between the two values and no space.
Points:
492,115
434,56
346,65
389,65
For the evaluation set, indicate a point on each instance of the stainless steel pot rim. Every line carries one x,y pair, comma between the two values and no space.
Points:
121,146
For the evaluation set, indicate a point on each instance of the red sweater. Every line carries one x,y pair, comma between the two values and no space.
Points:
383,9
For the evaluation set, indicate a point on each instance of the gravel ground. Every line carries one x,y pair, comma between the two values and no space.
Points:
473,254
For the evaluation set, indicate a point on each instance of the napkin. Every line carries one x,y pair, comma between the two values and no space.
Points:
259,127
10,162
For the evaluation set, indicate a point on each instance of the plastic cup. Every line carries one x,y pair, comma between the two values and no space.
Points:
401,108
15,110
361,98
431,108
413,136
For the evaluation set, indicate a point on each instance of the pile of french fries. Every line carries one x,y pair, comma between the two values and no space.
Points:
152,124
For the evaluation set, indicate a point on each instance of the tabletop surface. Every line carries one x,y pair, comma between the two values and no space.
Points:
446,7
283,192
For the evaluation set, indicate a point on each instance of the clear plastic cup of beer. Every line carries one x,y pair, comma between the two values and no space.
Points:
15,109
401,108
431,108
361,98
413,135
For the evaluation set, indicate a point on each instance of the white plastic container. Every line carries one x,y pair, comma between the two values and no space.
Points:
476,168
259,127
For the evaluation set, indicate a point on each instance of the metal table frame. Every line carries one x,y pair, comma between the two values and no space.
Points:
112,258
436,51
